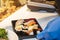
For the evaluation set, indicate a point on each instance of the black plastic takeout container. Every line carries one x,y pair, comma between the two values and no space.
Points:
23,35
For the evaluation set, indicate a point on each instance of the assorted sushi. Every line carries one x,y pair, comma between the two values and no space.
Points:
26,26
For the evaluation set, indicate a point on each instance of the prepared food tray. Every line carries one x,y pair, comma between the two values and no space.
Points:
26,28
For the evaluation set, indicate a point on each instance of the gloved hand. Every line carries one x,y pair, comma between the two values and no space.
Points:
52,31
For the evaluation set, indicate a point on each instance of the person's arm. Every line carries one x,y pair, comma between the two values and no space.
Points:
41,35
52,31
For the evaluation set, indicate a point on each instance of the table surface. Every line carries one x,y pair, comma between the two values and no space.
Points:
23,13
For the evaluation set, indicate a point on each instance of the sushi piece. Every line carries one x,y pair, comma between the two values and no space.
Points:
19,28
30,23
19,22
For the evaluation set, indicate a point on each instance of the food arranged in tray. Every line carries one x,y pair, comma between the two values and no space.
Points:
26,27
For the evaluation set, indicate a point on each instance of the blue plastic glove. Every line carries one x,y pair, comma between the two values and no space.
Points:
52,31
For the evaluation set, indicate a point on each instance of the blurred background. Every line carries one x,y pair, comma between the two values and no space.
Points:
8,7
